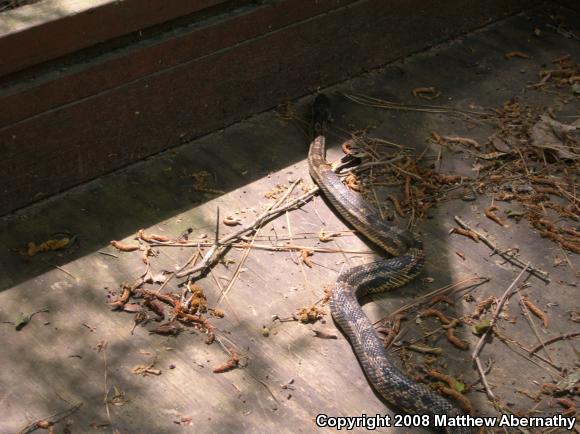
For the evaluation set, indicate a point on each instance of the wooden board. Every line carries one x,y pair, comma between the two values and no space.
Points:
102,113
66,26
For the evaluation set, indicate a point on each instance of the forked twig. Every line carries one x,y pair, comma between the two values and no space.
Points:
215,252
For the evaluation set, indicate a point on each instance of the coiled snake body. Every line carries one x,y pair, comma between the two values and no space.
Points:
408,257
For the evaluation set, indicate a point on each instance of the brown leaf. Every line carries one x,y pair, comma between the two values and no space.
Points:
500,145
156,306
132,307
562,139
167,328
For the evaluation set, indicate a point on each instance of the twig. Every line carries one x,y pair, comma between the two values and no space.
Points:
554,339
512,259
284,248
193,258
50,420
369,164
237,271
267,388
221,289
107,254
481,343
444,290
483,378
525,353
213,253
106,398
379,103
58,267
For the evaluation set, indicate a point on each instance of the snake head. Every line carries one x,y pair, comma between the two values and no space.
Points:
321,112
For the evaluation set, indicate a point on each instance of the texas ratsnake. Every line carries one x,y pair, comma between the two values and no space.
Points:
407,261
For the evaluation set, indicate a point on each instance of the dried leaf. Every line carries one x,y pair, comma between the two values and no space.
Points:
570,382
500,145
562,139
156,306
167,328
132,307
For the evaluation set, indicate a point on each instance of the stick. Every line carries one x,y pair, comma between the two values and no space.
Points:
481,343
554,339
483,378
237,270
213,255
106,398
50,420
542,275
284,248
453,287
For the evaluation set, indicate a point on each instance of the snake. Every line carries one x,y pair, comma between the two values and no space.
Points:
404,264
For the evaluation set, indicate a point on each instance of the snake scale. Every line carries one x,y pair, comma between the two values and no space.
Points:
388,273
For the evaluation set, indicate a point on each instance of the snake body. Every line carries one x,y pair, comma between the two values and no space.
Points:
388,273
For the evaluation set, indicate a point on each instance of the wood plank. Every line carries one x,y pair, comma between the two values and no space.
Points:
65,26
108,71
84,139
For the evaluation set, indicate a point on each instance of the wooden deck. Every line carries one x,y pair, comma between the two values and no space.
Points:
291,376
159,76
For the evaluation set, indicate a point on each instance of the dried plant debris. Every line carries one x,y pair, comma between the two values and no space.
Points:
305,255
324,335
536,310
232,363
428,92
150,305
23,319
123,247
276,192
53,244
232,221
309,314
203,181
145,370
